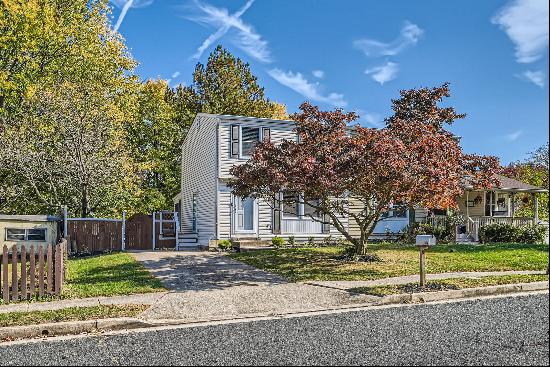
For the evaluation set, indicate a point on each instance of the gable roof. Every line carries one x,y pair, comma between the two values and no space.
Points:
507,183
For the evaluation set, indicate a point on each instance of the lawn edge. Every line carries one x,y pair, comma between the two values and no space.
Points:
10,333
424,297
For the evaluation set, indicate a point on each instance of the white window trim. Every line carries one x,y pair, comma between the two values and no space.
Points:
26,234
260,135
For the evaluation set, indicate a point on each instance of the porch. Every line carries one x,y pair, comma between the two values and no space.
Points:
506,203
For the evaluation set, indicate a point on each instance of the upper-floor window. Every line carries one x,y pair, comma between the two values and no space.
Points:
250,137
245,138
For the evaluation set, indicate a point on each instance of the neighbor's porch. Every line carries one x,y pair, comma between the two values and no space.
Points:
501,204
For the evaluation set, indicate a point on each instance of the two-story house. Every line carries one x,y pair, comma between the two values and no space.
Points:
209,212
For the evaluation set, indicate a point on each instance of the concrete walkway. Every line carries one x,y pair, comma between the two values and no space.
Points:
141,299
346,285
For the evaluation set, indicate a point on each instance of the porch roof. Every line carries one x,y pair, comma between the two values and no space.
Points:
510,184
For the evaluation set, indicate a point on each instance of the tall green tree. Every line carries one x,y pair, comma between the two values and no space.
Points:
66,88
155,138
226,85
534,171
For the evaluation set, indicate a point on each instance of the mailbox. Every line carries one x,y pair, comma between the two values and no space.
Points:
425,240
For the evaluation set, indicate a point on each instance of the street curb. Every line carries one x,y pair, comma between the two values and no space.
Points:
128,323
70,327
461,293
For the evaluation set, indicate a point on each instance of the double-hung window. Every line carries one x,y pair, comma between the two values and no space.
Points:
294,206
245,138
250,137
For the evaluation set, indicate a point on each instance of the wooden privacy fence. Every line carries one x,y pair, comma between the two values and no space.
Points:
139,232
35,271
93,235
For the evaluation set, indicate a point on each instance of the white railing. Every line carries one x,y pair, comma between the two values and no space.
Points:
436,221
298,226
517,222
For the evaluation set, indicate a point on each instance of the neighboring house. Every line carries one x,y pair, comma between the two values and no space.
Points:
209,212
28,229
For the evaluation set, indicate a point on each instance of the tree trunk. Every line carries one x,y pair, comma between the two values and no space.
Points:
360,243
84,202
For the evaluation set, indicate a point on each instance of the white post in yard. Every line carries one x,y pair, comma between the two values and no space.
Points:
124,230
65,227
154,227
536,208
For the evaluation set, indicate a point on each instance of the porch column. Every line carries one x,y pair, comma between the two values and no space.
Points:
467,206
536,207
512,207
491,203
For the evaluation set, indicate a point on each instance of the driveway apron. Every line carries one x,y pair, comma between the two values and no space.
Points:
211,286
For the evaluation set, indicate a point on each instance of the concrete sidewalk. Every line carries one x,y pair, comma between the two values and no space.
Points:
141,299
245,299
346,285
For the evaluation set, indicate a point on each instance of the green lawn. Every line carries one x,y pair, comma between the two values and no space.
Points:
108,275
322,263
449,284
70,314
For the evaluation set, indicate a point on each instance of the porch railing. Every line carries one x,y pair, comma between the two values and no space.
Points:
516,222
300,226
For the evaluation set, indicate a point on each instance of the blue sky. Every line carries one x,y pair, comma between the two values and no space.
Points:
359,54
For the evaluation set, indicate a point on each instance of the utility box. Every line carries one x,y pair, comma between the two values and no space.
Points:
423,240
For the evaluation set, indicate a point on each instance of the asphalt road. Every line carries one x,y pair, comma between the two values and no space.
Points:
490,331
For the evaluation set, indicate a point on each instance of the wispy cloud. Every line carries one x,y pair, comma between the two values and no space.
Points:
176,74
246,38
536,77
383,73
513,136
409,36
320,74
526,24
372,119
298,83
126,5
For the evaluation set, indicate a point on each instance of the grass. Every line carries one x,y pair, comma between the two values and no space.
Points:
448,284
108,275
70,314
322,263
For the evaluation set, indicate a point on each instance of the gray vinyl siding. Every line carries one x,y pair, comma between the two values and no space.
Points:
279,130
199,175
206,162
224,210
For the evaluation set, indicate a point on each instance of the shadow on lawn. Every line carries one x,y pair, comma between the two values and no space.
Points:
204,271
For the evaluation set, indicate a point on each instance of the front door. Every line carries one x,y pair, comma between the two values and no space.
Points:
245,215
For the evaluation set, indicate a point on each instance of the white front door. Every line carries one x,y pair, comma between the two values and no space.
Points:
245,215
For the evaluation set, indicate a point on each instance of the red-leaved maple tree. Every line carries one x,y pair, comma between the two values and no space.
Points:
358,173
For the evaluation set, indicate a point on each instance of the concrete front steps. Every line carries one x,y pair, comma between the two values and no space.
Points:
187,241
244,244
